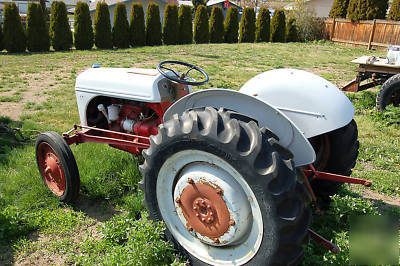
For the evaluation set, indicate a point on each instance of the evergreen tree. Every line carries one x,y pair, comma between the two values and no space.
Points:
120,31
394,12
170,34
36,30
278,26
83,31
352,10
102,27
1,39
185,25
339,9
201,34
247,25
137,27
216,25
263,22
377,9
291,31
153,25
197,3
14,35
231,25
60,31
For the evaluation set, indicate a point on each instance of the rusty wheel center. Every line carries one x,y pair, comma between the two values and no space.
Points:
51,169
204,209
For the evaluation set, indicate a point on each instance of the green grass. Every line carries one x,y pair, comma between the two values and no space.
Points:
109,221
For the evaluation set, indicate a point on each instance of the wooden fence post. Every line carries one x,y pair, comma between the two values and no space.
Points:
333,28
371,36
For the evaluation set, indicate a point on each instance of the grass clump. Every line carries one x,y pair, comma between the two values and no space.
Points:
83,31
102,27
120,31
231,25
153,25
14,35
247,29
60,32
170,33
201,31
137,26
185,25
36,30
216,25
263,30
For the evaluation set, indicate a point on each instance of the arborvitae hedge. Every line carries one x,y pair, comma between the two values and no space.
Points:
201,34
120,31
83,31
102,26
263,22
153,25
170,33
217,25
1,39
37,34
378,9
278,26
247,25
366,10
394,13
291,31
352,10
60,32
14,35
231,25
339,9
137,27
185,25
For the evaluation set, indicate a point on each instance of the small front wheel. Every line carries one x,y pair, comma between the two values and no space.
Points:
57,166
389,93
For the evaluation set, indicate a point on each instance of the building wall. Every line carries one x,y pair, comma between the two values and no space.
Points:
320,7
128,5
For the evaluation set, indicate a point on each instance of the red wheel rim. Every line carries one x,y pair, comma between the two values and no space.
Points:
51,169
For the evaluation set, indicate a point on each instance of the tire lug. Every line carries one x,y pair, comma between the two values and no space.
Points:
190,229
219,191
178,200
216,240
190,181
232,222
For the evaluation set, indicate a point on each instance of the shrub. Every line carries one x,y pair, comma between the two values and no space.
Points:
394,12
14,35
339,9
120,31
60,32
137,28
263,30
364,10
231,25
197,3
378,9
278,26
352,10
185,25
102,26
201,34
83,31
37,34
217,25
291,31
247,29
1,39
153,25
170,33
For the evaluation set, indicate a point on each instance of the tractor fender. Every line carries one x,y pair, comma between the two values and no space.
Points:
265,114
314,104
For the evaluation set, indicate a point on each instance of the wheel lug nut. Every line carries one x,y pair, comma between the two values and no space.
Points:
197,215
203,219
190,181
211,214
232,222
209,219
203,201
194,208
208,206
178,200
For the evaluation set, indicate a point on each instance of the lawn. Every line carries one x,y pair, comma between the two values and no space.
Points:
108,224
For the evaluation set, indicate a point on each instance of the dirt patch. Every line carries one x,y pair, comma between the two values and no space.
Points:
369,194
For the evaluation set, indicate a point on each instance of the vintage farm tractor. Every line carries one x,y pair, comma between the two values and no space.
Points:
231,173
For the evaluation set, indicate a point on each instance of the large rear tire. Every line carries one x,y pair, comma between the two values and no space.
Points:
225,193
389,93
57,166
337,153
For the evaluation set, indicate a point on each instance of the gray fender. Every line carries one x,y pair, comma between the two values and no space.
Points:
268,116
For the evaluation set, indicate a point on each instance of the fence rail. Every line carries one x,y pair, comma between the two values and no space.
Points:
370,33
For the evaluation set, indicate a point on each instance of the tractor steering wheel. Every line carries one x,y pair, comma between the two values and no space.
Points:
183,78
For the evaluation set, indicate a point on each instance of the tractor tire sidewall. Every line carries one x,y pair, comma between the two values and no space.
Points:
276,247
68,164
384,96
341,159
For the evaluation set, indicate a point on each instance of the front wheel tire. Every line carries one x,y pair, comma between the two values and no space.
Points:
225,193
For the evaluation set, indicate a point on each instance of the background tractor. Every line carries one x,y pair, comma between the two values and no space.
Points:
231,173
